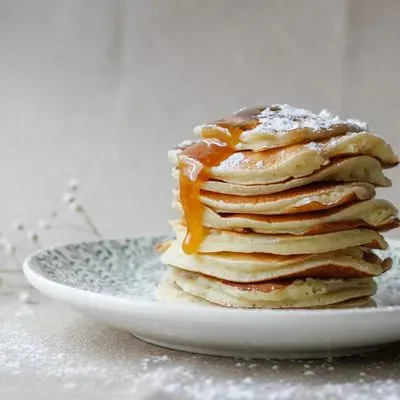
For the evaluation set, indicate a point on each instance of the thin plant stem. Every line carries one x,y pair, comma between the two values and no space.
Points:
91,225
10,261
72,228
16,258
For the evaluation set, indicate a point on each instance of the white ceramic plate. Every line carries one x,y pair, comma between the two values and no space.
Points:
114,281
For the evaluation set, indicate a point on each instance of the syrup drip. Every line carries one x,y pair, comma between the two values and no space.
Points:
218,142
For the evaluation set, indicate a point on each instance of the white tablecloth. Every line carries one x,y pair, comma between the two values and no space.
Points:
48,351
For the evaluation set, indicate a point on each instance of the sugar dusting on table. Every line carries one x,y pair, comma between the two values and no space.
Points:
148,372
48,343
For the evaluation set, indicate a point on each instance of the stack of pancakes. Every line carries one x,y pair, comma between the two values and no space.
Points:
278,210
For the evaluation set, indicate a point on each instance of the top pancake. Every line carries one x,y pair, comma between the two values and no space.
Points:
295,161
280,125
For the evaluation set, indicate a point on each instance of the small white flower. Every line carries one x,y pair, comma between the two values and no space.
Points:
18,226
75,207
68,198
43,224
73,184
24,296
9,249
33,236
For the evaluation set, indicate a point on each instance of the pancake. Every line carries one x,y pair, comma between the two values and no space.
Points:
216,241
374,214
299,160
280,125
278,165
359,168
278,211
169,291
299,293
317,196
255,267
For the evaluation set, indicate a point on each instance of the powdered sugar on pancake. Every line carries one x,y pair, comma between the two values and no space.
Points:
280,125
285,118
236,160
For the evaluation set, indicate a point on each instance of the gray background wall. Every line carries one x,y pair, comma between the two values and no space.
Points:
101,89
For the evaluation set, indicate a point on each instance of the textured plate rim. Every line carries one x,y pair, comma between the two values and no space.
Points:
78,297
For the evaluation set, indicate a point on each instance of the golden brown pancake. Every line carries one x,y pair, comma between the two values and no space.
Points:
314,197
216,241
169,291
296,161
281,125
278,211
374,214
352,169
278,165
254,267
291,293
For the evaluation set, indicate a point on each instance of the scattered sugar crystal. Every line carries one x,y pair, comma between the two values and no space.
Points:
282,117
25,296
325,114
69,385
21,347
160,358
239,364
234,160
361,124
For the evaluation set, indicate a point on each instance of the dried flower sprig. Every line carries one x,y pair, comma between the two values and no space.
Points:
11,254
